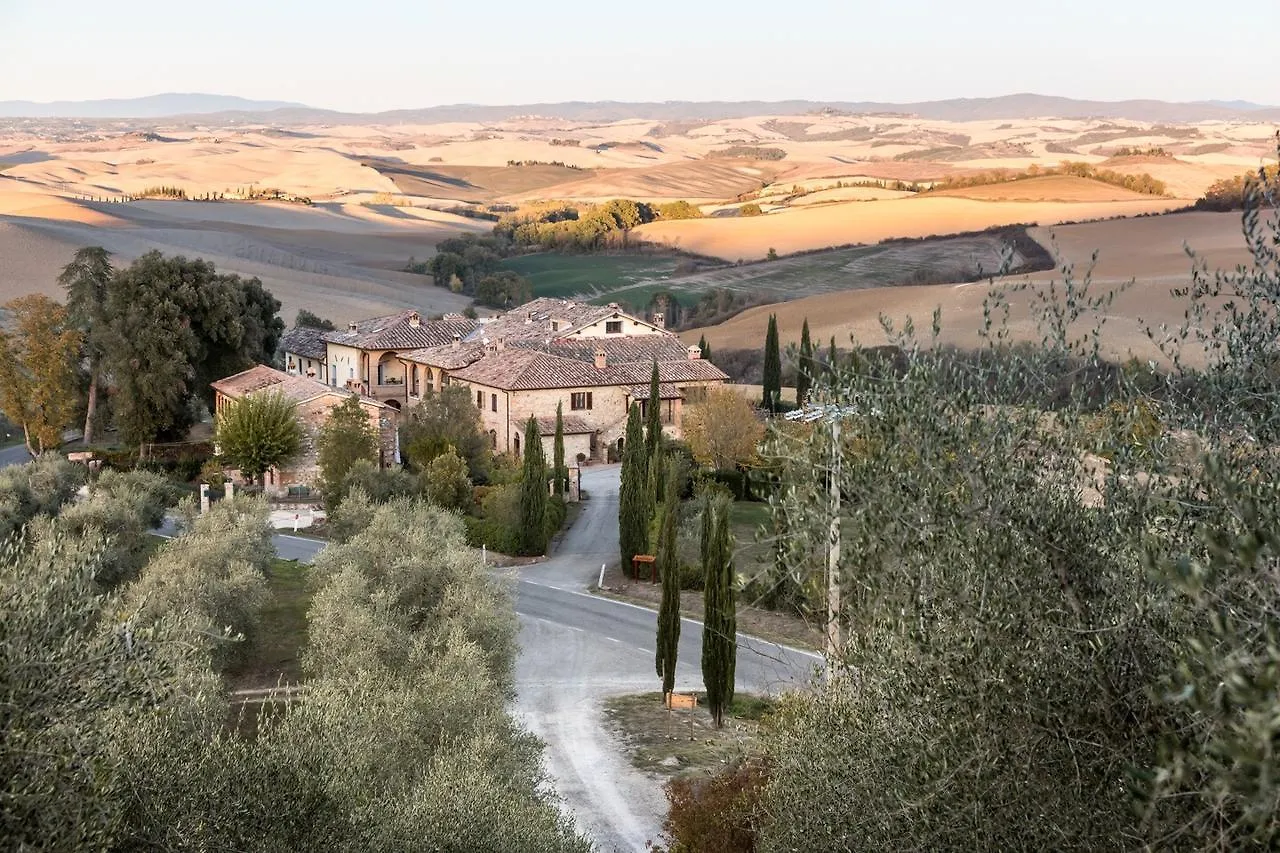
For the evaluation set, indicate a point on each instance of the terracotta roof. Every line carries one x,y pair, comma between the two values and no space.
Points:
665,391
304,341
624,350
405,330
264,379
573,425
446,356
516,369
532,320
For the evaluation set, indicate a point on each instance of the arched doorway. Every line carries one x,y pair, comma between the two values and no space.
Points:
493,439
515,443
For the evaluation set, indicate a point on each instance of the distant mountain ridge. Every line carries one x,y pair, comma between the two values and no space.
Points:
1017,106
151,106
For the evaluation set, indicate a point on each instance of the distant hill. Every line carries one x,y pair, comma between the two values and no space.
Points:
1019,106
151,106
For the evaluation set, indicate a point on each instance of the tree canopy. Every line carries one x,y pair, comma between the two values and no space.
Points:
38,354
345,438
257,433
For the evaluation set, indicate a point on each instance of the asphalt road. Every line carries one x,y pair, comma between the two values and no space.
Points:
577,648
16,455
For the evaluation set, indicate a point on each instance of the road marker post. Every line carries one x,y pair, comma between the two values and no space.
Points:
600,583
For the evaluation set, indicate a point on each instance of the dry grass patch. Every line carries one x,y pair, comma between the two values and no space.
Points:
676,743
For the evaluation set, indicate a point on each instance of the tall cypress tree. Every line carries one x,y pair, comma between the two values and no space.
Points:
831,354
533,493
720,623
705,347
557,460
804,376
633,499
653,438
772,367
669,565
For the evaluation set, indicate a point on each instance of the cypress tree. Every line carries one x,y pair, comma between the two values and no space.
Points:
720,624
668,564
653,438
557,459
831,354
533,493
633,499
772,367
804,376
705,347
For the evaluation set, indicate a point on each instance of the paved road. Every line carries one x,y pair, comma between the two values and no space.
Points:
16,455
577,648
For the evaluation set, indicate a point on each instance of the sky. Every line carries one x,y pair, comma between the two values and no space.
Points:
390,54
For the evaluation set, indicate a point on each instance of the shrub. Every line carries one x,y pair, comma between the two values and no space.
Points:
716,814
39,487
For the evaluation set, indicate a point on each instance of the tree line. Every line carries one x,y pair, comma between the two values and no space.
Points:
134,347
1141,183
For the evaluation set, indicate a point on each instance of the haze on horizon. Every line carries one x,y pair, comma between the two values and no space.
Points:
393,54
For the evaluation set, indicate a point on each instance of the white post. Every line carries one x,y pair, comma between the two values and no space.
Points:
484,555
295,522
204,498
600,584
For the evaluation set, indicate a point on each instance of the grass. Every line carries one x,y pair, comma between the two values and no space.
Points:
684,742
556,275
276,653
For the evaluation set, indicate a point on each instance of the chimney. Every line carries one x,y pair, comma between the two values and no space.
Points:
415,319
457,340
351,328
528,317
695,352
602,361
660,319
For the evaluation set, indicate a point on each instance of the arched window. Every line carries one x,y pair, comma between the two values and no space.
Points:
516,443
493,439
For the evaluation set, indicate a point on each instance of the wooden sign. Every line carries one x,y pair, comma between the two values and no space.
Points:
679,700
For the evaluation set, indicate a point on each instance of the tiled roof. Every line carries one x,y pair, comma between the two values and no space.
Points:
304,341
405,330
573,425
261,378
665,391
625,350
532,320
525,370
446,356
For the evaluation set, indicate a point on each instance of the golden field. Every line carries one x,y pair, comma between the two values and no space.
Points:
384,193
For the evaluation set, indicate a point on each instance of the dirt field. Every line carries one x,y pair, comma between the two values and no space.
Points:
1050,188
798,230
1150,251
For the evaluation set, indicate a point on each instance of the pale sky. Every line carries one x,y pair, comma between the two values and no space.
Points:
387,54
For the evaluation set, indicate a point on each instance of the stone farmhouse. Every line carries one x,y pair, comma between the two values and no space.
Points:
314,401
592,360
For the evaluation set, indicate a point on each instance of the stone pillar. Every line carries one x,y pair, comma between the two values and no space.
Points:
204,498
229,490
574,493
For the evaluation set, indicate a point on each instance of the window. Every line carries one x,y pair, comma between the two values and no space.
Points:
555,325
580,400
613,327
479,399
493,402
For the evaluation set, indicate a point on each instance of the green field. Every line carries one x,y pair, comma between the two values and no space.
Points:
593,277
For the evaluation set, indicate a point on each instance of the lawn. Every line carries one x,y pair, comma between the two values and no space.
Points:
277,647
591,276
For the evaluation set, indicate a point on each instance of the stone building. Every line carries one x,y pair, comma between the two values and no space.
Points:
593,360
314,401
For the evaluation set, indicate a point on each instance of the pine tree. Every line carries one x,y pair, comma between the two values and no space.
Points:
720,624
669,566
557,460
804,376
533,493
633,499
772,367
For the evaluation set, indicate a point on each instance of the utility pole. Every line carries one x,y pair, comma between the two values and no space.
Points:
835,643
